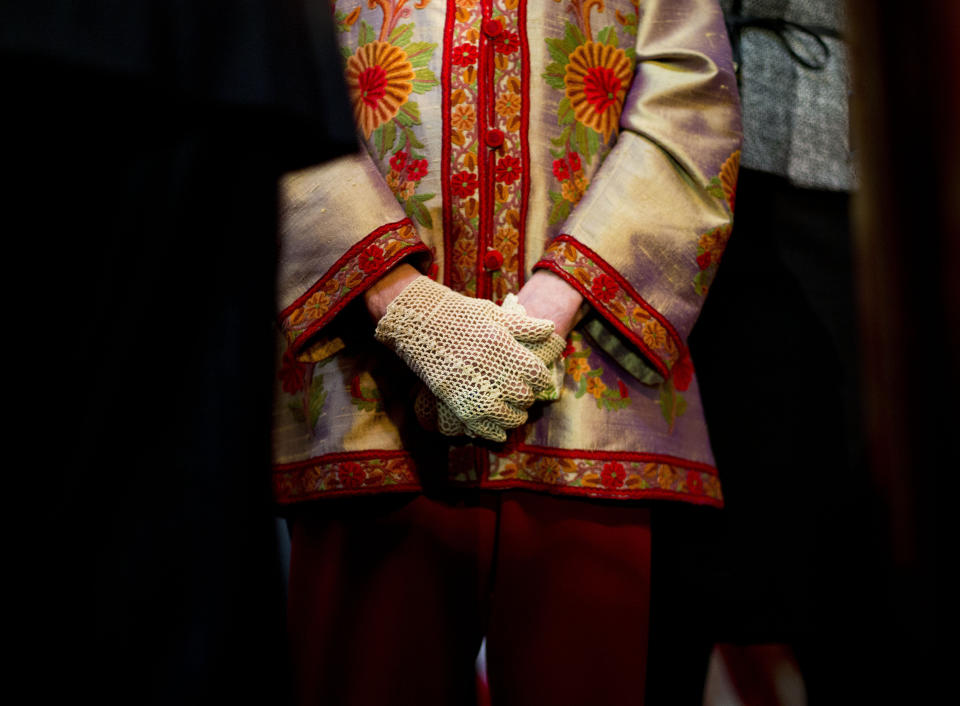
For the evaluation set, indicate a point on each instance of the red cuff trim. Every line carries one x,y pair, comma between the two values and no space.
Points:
611,295
351,275
347,473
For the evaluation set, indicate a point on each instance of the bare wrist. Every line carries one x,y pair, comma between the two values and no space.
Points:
378,297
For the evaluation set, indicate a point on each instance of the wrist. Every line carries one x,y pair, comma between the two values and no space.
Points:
378,297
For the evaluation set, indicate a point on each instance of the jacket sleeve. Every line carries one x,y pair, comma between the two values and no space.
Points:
644,241
341,229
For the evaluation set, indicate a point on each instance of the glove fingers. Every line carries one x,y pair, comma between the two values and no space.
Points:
525,328
549,350
487,429
448,423
518,394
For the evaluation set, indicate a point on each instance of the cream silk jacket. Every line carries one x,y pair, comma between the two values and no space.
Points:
598,139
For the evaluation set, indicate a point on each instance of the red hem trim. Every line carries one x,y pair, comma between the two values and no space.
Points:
605,493
341,456
619,456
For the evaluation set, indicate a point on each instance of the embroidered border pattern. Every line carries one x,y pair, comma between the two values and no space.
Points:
360,267
605,474
485,182
349,473
613,297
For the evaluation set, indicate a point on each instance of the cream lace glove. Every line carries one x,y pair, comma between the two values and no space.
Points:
435,415
470,354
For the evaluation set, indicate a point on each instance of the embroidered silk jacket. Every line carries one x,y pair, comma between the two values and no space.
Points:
598,139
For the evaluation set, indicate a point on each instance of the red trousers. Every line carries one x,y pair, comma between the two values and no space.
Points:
391,597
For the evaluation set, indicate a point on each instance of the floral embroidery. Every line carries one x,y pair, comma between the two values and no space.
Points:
587,380
594,76
724,185
508,169
672,403
345,473
710,249
306,407
353,273
485,146
292,373
613,475
383,73
605,474
615,299
596,80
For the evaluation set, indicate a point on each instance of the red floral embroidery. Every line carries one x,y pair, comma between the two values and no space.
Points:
601,87
604,287
398,161
508,169
464,55
574,159
560,169
373,85
292,373
568,349
703,260
624,392
417,169
371,258
682,372
351,475
613,475
464,184
507,42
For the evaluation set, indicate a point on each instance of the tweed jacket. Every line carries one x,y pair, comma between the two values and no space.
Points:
597,139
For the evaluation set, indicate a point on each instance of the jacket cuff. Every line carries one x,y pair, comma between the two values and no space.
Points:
615,300
351,275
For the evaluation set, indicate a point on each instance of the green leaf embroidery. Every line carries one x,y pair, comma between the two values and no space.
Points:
572,38
345,52
410,111
401,35
409,135
608,35
593,142
388,136
554,81
564,137
560,210
558,51
714,188
317,397
667,397
555,69
558,154
565,115
366,35
415,209
296,409
424,80
420,53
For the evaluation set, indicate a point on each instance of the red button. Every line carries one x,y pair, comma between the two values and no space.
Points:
494,138
493,260
492,28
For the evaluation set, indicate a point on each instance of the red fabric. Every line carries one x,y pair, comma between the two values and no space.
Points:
390,598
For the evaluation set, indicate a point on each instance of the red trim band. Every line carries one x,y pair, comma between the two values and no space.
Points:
400,237
618,456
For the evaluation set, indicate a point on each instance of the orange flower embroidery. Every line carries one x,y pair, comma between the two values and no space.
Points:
316,306
464,117
576,367
596,81
508,104
596,387
379,79
654,335
728,177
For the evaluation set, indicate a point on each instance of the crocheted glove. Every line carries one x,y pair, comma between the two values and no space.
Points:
470,354
435,415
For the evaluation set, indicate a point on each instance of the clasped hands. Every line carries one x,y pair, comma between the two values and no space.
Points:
484,364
